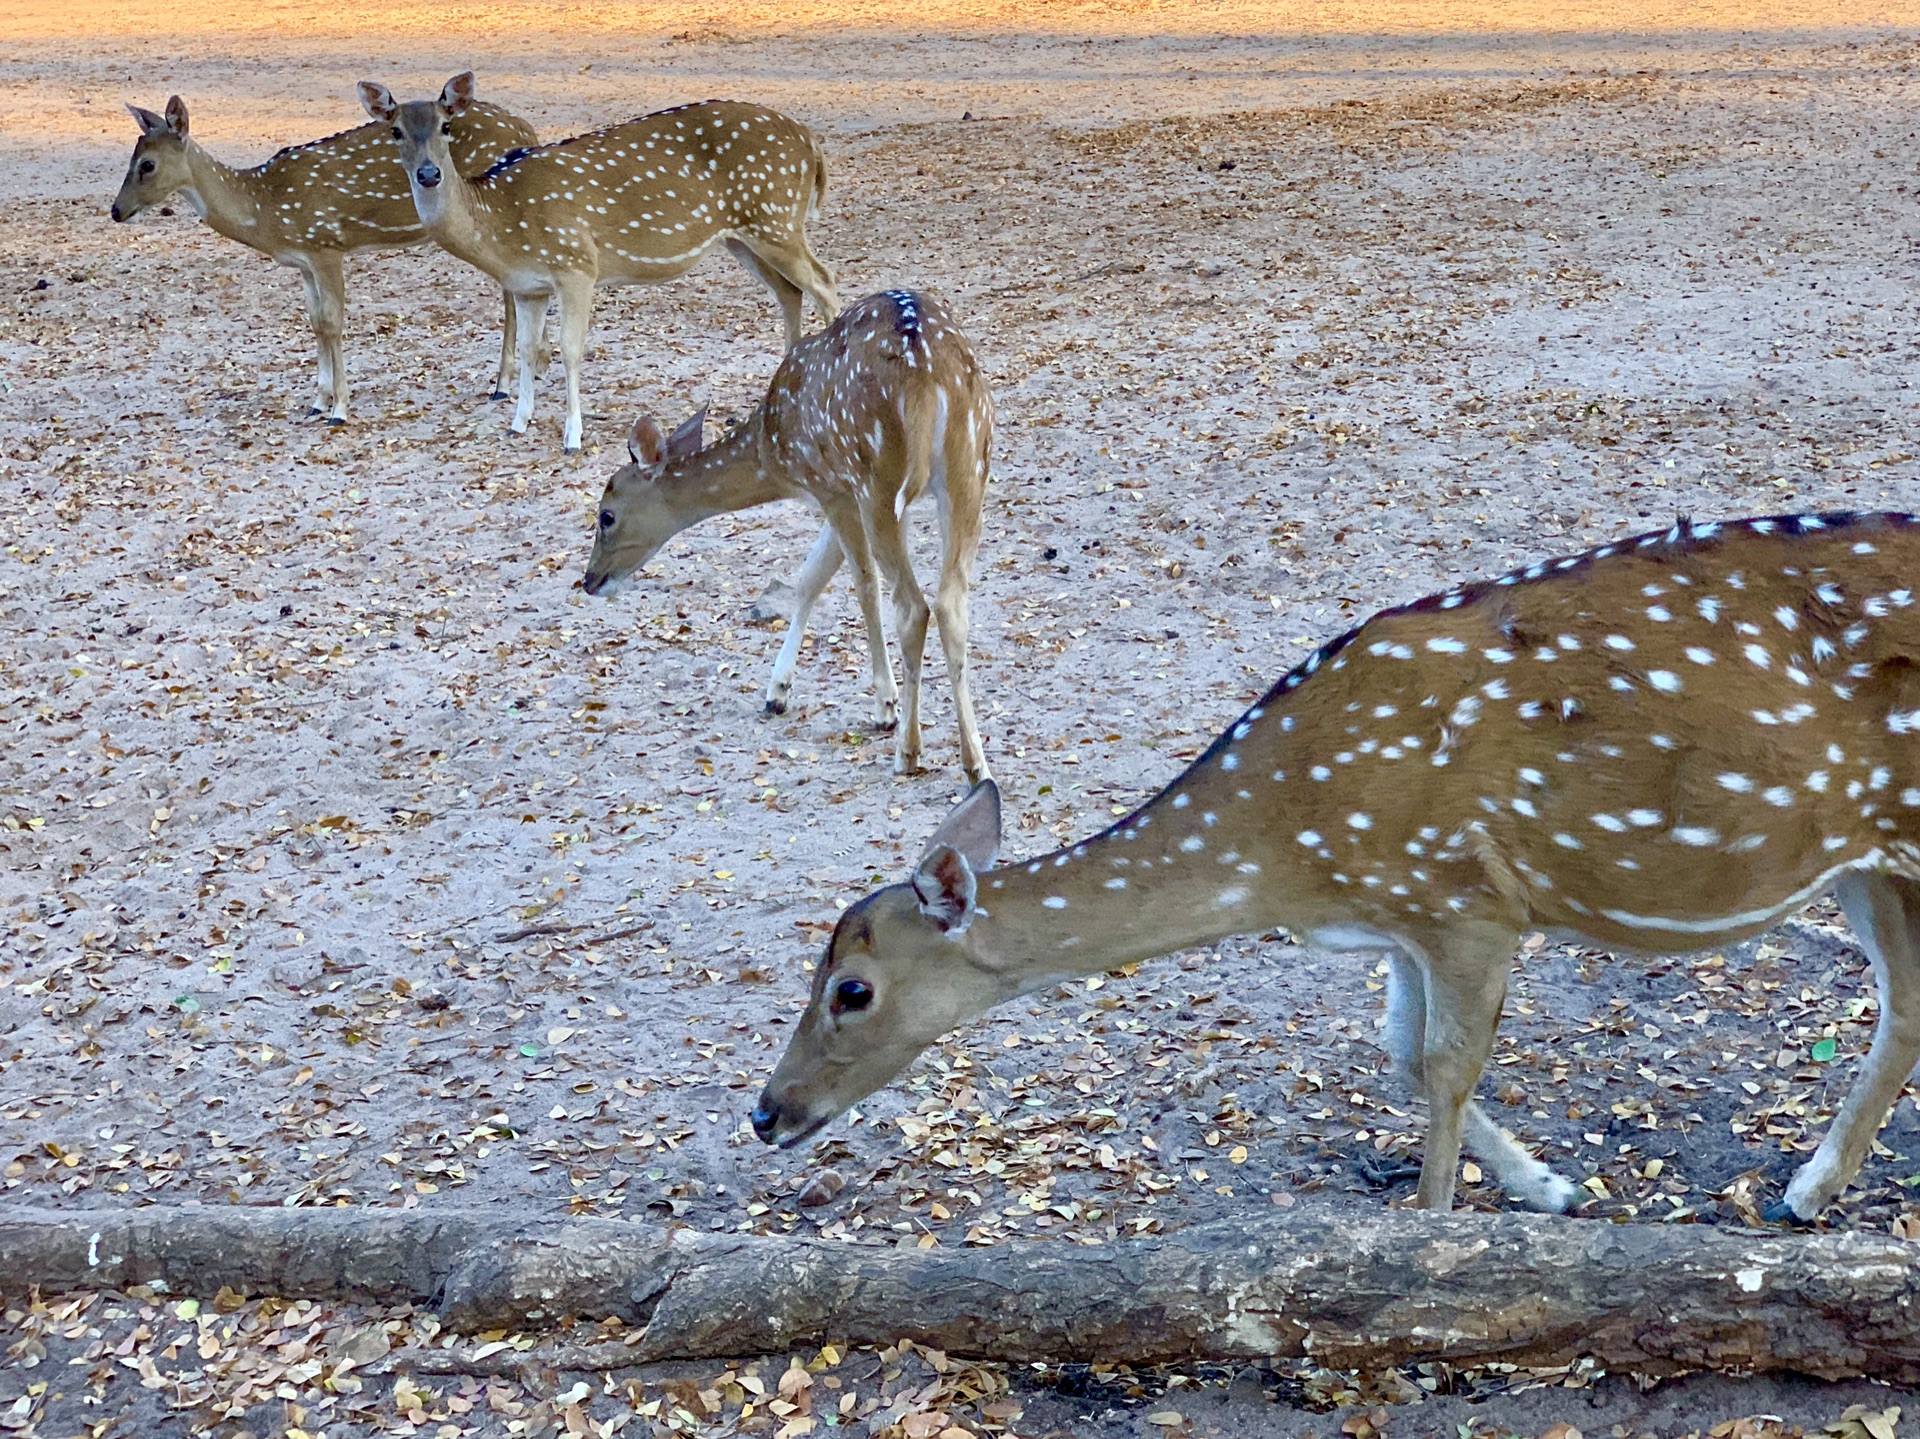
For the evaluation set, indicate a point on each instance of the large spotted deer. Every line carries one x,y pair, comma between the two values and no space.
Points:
312,205
886,404
1664,743
633,204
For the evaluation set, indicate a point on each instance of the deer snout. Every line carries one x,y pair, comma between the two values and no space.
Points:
593,584
765,1119
114,210
428,175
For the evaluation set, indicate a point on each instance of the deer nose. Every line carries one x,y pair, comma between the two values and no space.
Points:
766,1114
115,212
428,175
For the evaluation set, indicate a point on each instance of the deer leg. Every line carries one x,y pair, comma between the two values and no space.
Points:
822,561
325,286
959,478
1465,984
790,295
509,346
1884,911
530,312
851,532
910,615
576,312
1525,1178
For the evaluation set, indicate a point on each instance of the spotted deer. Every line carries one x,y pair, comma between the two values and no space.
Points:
312,205
633,204
1660,744
863,418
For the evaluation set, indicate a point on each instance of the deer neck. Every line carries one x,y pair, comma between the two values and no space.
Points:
1177,873
727,475
455,216
221,196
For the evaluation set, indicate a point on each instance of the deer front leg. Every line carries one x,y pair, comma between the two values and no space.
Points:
823,560
324,281
529,313
509,346
1884,912
1533,1183
1465,983
576,312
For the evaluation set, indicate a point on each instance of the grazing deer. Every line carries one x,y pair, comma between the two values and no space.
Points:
633,204
310,206
1664,743
864,417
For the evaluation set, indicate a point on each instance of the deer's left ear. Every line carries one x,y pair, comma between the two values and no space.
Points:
457,94
149,123
945,887
644,444
686,441
972,826
177,116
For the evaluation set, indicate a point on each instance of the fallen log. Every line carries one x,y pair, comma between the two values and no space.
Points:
1350,1291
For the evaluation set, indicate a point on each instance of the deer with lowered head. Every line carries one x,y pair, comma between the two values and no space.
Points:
634,204
310,206
884,405
1662,744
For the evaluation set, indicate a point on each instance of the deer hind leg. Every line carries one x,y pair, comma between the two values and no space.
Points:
959,481
576,313
790,295
1525,1178
823,560
1884,911
326,286
851,532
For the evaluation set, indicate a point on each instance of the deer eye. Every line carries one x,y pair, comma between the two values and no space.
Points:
607,519
446,127
396,133
851,994
146,167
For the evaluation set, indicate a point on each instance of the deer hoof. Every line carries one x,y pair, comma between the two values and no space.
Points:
1781,1212
776,704
499,395
335,421
313,410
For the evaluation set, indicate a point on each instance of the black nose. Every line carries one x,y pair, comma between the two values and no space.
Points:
428,176
765,1115
115,212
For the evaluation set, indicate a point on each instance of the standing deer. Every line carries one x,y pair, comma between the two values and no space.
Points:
633,204
861,419
1664,743
312,205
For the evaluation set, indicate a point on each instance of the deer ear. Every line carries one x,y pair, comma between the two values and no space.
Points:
972,827
149,123
686,440
378,101
945,887
458,94
177,116
649,451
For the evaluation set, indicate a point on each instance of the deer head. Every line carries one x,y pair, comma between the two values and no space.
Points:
898,974
424,130
159,165
642,507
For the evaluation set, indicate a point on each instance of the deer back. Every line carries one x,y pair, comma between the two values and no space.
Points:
1659,744
844,403
659,189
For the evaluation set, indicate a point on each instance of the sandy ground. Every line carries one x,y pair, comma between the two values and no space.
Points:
352,855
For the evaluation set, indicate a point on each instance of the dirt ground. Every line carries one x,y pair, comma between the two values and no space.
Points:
354,856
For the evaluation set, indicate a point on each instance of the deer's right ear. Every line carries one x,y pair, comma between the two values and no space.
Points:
972,826
149,123
646,444
945,887
458,93
377,100
177,115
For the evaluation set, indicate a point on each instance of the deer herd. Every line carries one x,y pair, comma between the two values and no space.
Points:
1669,742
